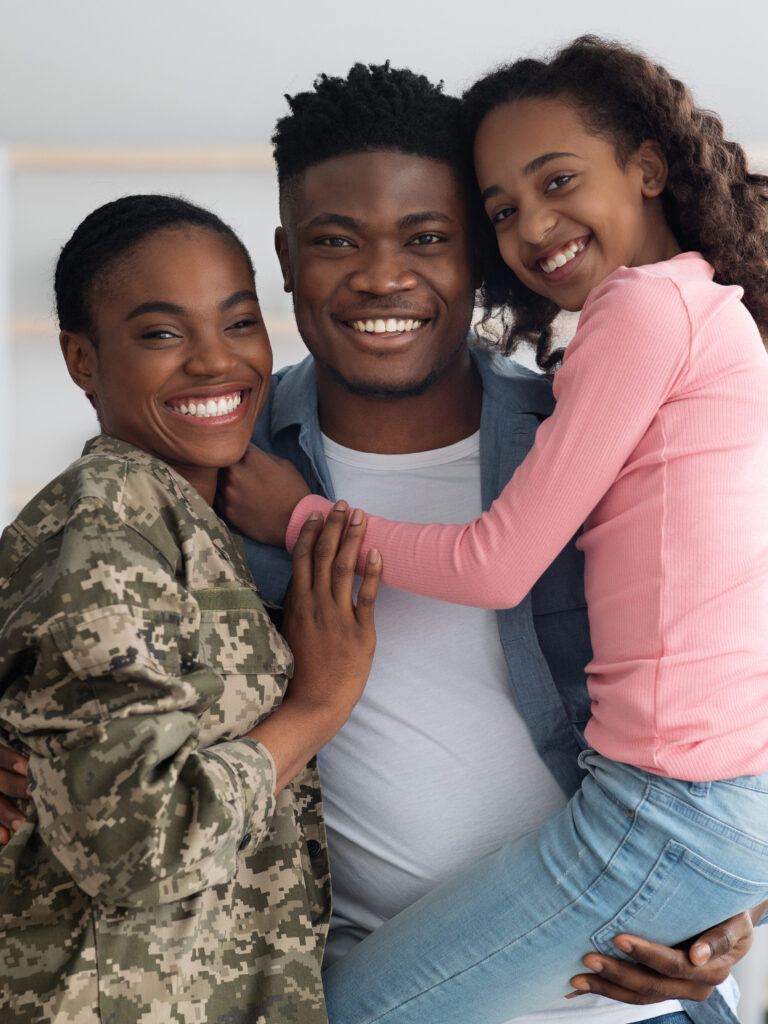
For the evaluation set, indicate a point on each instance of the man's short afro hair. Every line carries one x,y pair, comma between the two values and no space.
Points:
375,107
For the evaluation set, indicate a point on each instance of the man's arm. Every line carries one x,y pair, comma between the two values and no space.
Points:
13,786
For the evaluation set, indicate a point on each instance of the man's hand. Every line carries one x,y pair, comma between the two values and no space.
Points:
661,973
258,495
13,784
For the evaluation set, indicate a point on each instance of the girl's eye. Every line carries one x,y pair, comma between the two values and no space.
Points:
558,182
501,215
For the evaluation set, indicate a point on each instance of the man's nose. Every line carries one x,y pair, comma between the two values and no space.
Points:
383,272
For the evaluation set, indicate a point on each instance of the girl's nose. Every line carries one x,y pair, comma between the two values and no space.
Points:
535,223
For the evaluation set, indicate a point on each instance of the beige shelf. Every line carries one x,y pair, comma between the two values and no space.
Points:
134,158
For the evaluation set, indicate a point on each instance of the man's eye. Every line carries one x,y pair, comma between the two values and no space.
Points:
501,215
334,242
428,238
558,182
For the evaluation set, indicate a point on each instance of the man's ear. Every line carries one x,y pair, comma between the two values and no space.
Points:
80,357
653,164
281,248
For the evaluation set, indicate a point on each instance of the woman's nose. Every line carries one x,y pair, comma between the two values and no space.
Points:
211,356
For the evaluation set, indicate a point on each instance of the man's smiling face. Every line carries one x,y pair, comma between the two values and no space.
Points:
376,248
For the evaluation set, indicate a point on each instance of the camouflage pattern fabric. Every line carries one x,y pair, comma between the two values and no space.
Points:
158,878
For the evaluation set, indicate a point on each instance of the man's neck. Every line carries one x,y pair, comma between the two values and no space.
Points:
445,413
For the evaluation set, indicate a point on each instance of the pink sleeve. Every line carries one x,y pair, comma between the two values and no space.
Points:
631,348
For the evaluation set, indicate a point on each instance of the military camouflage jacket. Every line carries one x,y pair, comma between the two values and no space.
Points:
158,877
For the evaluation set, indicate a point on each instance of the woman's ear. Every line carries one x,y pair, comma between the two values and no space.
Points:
80,356
653,165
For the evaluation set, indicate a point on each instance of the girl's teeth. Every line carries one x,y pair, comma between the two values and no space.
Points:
212,407
561,258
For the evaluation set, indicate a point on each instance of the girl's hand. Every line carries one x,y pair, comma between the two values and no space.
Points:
258,494
332,636
13,784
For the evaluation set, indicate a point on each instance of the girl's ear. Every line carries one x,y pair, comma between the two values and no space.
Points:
80,357
653,165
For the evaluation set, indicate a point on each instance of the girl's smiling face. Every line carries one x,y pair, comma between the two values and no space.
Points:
565,212
181,362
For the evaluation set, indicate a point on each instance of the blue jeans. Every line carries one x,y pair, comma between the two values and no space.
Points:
632,852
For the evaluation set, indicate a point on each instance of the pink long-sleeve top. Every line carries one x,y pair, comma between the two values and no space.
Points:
659,445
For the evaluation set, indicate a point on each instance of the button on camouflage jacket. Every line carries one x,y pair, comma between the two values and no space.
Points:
158,878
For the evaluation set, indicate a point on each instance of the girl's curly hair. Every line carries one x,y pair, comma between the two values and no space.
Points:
712,202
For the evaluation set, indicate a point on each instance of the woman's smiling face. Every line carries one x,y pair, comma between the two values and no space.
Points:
565,211
181,362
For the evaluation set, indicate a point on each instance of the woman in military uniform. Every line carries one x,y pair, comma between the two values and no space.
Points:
172,866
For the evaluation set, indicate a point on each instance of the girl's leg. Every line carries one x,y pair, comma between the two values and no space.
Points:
504,937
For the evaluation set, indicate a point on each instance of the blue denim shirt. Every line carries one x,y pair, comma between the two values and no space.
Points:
545,638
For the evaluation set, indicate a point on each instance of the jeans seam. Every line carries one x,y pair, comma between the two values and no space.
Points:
707,822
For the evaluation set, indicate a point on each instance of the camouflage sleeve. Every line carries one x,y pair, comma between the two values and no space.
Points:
126,799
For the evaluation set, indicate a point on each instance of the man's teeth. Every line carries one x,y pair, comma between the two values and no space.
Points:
390,326
561,258
211,407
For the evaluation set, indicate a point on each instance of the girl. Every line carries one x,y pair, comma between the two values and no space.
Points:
173,863
610,193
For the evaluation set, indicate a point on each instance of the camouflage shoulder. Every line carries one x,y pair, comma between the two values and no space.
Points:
107,481
49,510
165,508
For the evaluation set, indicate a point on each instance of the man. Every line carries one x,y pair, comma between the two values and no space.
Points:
471,723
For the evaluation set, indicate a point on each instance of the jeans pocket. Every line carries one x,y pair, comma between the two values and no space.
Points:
756,783
682,895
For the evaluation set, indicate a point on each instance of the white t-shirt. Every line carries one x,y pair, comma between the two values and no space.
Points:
435,766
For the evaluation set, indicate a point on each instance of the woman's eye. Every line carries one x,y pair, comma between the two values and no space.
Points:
558,182
244,323
159,334
501,215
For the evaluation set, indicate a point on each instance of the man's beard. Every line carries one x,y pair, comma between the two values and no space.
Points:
391,392
383,391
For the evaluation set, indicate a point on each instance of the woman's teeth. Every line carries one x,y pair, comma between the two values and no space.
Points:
391,326
211,407
561,258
